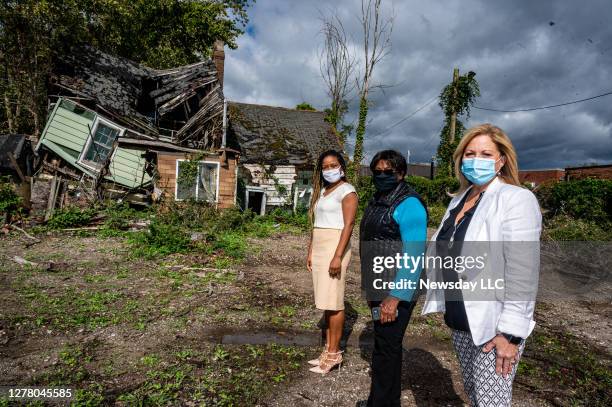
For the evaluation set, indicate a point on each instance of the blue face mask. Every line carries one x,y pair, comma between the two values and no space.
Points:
478,171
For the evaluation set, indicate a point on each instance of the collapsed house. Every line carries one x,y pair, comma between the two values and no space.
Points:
119,130
111,120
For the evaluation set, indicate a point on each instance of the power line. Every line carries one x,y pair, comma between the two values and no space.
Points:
408,116
542,107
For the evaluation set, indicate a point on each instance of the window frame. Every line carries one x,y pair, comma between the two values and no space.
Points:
176,173
90,140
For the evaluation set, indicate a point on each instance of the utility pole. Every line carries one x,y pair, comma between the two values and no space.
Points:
432,167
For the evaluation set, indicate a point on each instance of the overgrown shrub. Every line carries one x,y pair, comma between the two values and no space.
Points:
161,239
436,213
120,215
288,217
434,191
9,200
365,192
564,227
588,199
70,217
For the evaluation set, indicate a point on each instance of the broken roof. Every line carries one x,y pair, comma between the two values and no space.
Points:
277,135
183,103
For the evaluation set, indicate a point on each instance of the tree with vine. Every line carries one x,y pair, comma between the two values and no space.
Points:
456,100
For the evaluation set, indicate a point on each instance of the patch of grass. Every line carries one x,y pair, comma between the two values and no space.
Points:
161,239
150,360
564,361
72,308
70,217
71,368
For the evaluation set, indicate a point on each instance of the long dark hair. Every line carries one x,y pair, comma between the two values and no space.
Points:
318,180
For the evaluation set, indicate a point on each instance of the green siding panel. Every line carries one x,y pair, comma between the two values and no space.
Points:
70,132
66,134
68,155
73,117
62,139
127,167
68,129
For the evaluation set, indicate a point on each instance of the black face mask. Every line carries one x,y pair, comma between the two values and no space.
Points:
385,182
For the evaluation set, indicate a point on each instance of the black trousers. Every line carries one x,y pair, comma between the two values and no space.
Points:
386,388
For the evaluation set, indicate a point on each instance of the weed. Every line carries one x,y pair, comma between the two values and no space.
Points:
220,353
150,360
70,217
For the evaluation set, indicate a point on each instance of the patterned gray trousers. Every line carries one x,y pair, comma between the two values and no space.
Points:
484,387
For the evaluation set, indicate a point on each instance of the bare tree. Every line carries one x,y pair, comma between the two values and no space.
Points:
337,65
376,45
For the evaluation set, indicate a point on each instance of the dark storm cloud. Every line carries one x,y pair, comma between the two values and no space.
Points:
525,53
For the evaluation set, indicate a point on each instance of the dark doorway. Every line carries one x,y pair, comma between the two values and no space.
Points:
255,200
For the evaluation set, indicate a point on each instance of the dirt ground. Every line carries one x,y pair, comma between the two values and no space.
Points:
173,331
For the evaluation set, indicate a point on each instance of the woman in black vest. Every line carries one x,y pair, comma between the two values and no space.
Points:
394,225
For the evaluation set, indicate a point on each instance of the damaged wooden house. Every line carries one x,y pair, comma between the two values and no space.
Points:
120,130
278,150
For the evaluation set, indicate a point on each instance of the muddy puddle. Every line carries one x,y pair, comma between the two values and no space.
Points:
247,336
264,336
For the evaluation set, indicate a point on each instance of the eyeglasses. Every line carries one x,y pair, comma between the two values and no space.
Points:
388,171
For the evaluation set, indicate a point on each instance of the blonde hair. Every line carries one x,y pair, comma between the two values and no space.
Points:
509,171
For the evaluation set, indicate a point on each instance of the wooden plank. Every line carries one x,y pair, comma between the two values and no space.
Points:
73,128
129,154
63,141
68,133
52,196
67,114
16,166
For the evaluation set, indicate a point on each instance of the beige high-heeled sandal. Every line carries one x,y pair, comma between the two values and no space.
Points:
317,361
331,360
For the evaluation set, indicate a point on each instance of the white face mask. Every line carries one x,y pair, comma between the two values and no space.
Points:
333,175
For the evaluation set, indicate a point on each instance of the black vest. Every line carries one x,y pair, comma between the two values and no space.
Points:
379,235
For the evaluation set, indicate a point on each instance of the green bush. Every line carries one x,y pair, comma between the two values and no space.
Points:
9,201
70,217
588,199
287,216
233,244
436,213
434,191
365,192
563,227
120,215
161,239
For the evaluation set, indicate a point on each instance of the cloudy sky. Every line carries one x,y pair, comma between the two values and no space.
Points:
525,53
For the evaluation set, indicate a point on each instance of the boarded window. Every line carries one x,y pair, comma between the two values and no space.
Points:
202,185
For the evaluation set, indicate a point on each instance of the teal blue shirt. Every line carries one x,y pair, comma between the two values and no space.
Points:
411,217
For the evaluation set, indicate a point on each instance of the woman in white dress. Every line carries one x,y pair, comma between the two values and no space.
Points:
333,209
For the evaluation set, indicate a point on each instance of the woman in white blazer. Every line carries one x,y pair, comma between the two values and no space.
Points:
490,216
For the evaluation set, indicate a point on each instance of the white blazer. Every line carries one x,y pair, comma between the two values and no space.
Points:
505,213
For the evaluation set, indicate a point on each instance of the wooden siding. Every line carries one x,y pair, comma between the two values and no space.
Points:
66,134
127,167
68,129
166,166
